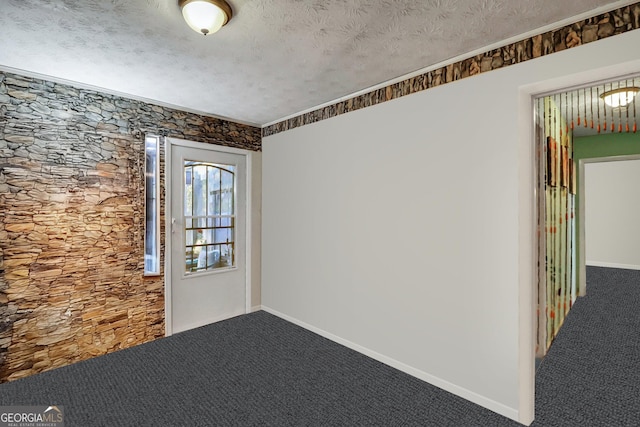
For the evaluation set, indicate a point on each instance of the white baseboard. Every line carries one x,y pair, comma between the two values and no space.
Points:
204,322
612,265
431,379
255,308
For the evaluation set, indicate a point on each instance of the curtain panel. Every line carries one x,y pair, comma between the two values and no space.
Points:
556,221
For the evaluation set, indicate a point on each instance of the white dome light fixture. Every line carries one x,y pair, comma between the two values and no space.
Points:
205,16
620,97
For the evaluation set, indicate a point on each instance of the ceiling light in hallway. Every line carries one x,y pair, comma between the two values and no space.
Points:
620,97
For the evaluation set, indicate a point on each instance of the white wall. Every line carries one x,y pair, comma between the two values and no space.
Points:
612,204
405,230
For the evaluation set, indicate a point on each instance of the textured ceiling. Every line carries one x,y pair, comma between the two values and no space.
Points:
274,58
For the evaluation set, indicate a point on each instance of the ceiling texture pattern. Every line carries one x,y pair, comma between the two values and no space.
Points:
275,58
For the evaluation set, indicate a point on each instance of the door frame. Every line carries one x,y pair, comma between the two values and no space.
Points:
582,259
528,235
169,143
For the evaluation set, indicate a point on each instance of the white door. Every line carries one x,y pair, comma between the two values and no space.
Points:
208,218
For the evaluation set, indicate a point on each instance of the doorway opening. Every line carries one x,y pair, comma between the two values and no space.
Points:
573,127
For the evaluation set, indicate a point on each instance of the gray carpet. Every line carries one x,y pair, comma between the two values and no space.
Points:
260,370
591,375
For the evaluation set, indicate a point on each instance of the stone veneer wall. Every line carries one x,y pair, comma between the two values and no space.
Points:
586,31
72,220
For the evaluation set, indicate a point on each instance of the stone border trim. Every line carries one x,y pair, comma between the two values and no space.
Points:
605,25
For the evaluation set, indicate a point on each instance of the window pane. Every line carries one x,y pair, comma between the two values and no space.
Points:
152,197
209,216
223,235
227,193
188,192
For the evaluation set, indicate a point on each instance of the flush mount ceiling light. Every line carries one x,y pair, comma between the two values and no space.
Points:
620,97
205,16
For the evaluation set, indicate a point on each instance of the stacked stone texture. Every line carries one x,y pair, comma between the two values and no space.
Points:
72,220
589,30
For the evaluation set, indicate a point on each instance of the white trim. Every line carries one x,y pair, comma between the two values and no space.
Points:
611,158
527,257
199,274
582,277
168,317
157,206
209,321
255,308
169,142
431,379
559,24
613,265
248,232
210,147
582,259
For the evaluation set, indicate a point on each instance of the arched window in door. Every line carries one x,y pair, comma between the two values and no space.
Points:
209,204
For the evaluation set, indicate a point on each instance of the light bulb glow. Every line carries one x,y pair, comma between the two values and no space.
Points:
204,16
620,97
